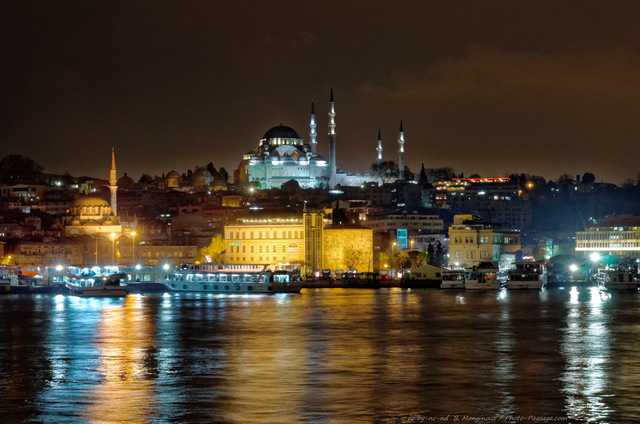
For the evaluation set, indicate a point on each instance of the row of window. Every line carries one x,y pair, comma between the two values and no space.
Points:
608,245
242,235
471,254
609,236
258,258
259,249
161,254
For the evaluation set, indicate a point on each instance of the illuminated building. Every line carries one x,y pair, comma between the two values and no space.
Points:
472,241
282,156
265,238
91,215
616,236
285,238
496,199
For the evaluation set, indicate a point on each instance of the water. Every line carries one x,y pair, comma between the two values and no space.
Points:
322,356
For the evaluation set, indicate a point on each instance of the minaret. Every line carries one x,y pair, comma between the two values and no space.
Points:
313,134
332,140
379,149
113,182
401,153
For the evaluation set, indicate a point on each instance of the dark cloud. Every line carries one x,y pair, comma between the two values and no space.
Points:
485,87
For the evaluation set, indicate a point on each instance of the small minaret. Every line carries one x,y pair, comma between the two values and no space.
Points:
113,182
401,153
379,149
313,134
332,139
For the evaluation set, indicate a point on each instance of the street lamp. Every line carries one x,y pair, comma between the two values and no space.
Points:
113,236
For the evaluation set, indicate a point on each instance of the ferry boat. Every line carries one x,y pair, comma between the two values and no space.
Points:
484,277
95,282
619,279
223,279
423,276
452,279
526,275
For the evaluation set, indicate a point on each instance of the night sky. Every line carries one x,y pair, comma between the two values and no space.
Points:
486,87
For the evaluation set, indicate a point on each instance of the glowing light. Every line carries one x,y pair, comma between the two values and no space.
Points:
595,257
165,267
573,267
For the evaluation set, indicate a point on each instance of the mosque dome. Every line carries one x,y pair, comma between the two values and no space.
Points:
87,208
318,159
125,181
172,174
89,201
281,131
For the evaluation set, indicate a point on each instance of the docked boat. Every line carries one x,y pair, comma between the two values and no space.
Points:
526,275
223,279
483,277
423,276
452,279
619,279
96,282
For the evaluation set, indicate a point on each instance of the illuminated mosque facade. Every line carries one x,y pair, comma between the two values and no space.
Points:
282,155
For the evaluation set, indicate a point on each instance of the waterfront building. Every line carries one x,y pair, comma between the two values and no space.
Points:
617,236
293,238
472,241
266,237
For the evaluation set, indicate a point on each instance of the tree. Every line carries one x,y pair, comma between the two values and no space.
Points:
386,170
213,253
416,258
423,179
14,167
408,175
224,175
444,173
588,178
430,254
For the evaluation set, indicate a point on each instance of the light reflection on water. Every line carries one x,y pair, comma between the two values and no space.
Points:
323,356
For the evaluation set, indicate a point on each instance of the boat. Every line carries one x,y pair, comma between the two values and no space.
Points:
424,276
24,280
221,278
95,282
483,277
452,279
361,280
618,279
526,275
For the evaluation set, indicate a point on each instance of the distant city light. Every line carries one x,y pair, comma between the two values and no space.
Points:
573,267
595,257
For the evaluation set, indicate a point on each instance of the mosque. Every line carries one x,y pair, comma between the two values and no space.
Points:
282,155
93,215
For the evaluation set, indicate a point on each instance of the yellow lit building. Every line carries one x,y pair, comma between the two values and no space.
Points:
280,239
265,238
348,247
472,241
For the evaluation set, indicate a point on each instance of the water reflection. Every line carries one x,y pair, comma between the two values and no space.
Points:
586,347
323,356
